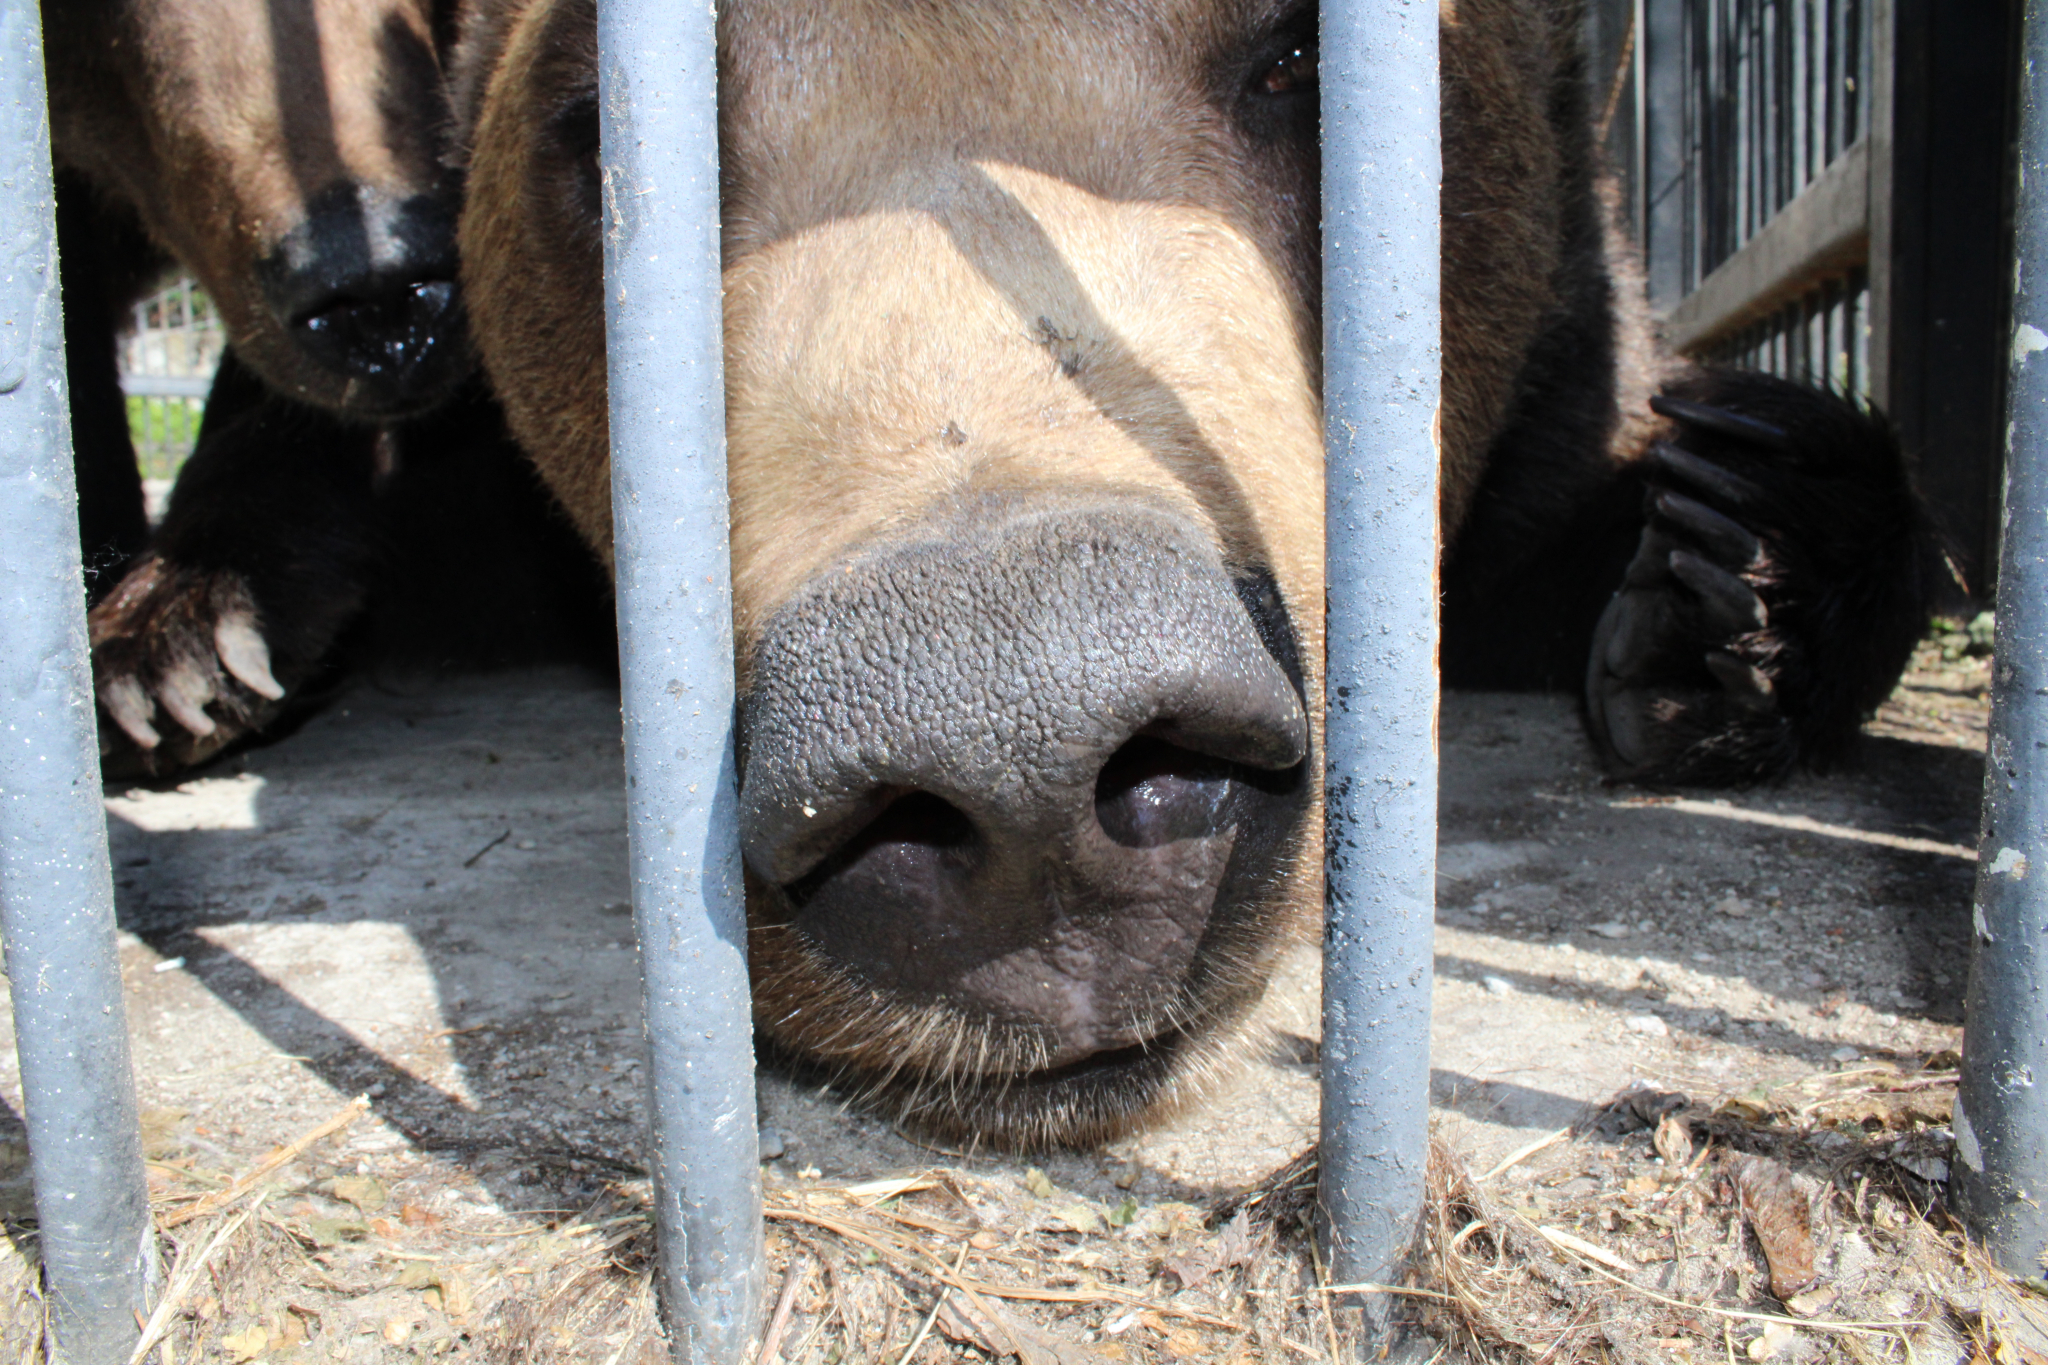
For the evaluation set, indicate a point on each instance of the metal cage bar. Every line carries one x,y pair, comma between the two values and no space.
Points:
1381,170
97,1244
2001,1118
657,72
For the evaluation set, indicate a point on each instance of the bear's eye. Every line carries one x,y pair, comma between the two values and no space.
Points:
1274,81
1291,73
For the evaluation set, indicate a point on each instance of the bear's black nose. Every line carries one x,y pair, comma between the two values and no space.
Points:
366,288
1023,769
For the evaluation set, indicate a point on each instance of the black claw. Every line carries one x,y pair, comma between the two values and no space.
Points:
1728,599
1722,422
1705,475
1727,540
1744,681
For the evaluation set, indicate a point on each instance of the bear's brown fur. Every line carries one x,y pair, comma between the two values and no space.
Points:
1006,253
291,155
215,126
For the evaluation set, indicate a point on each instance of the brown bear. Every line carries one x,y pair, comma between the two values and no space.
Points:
292,157
1025,463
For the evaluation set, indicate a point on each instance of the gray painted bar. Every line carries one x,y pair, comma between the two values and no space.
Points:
94,1235
1381,167
2001,1118
658,92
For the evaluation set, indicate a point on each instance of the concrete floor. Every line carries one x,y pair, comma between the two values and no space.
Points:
421,895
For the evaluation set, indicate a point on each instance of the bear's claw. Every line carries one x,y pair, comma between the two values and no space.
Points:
1728,540
1721,422
1705,476
187,643
244,652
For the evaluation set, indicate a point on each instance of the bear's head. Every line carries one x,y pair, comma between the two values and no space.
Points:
290,154
1021,309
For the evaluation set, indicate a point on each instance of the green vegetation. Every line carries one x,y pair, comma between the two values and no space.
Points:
164,430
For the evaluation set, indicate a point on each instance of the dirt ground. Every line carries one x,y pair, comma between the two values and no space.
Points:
420,898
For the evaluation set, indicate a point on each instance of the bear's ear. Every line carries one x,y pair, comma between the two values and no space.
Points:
574,129
486,32
481,35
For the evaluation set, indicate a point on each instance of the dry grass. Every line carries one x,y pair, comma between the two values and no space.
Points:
1633,1240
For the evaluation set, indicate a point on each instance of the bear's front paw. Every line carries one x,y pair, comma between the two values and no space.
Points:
1684,651
187,643
1775,592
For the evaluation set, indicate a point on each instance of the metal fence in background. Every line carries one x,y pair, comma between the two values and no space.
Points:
1822,338
1770,94
167,358
1740,132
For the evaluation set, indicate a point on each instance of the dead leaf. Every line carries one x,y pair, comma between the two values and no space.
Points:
1776,1340
1889,1110
1232,1246
1811,1302
1122,1214
329,1232
455,1294
160,1131
1782,1219
1752,1106
1036,1182
247,1344
1638,1106
1674,1141
419,1275
878,1191
973,1320
398,1331
1083,1218
413,1216
1640,1184
361,1190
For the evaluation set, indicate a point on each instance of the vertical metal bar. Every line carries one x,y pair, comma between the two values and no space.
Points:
1667,139
1639,205
1381,172
2001,1118
94,1234
1802,95
1881,68
657,76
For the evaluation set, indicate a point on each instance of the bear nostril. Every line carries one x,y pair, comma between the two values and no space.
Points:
365,291
1151,792
913,830
375,332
